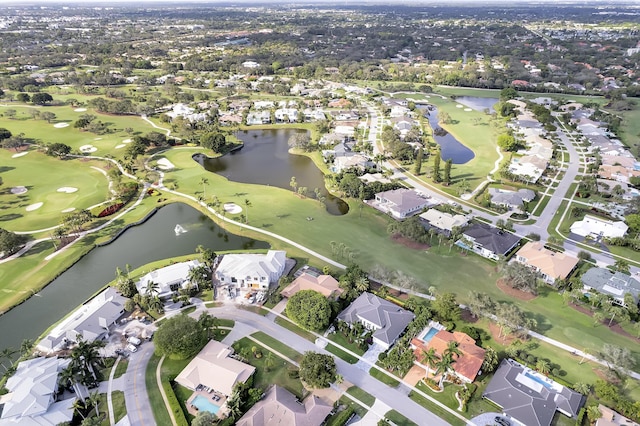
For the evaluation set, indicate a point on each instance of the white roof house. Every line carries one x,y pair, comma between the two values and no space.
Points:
214,368
91,321
597,227
169,279
31,400
444,221
251,271
400,203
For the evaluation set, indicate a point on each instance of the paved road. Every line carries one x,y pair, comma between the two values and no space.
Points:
250,322
135,393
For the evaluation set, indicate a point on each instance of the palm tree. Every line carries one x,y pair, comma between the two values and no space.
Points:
294,184
7,353
152,288
582,387
429,358
207,322
204,182
26,346
79,407
543,366
362,284
94,399
443,367
155,304
66,377
593,413
269,361
247,204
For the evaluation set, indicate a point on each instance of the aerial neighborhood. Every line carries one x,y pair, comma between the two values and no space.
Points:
322,214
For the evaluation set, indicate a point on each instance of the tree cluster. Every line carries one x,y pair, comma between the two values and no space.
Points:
180,337
310,310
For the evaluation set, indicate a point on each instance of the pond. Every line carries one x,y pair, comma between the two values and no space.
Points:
265,160
450,147
153,240
477,103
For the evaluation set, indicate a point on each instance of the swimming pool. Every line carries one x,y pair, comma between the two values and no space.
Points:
539,380
202,403
428,335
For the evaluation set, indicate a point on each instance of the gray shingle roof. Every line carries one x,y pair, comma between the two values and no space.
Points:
390,319
610,283
526,399
491,238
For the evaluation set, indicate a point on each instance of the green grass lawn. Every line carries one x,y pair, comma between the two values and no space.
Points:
119,407
446,397
384,378
341,354
277,375
158,408
341,340
399,419
292,327
43,176
362,396
277,346
121,368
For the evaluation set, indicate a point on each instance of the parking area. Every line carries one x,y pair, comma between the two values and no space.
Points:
116,342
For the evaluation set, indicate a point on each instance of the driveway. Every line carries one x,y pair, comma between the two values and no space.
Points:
391,397
370,357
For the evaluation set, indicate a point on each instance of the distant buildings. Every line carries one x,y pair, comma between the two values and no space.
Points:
613,284
597,228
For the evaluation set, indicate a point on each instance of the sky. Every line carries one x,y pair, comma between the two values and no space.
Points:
341,2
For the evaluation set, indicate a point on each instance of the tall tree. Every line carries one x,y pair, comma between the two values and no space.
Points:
446,179
435,174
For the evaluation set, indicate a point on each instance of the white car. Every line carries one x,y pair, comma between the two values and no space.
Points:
131,348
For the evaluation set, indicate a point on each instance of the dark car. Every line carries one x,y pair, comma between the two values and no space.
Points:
501,421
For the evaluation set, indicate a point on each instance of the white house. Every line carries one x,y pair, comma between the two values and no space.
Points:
170,279
400,203
91,321
250,64
32,400
248,271
597,227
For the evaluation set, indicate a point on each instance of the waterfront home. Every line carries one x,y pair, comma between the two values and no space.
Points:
169,279
248,271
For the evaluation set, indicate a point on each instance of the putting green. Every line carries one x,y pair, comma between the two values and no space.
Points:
44,176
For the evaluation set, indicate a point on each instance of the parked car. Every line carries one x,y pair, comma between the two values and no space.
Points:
134,340
501,421
131,348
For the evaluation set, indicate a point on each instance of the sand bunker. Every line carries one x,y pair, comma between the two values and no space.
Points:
127,141
468,109
232,208
60,125
120,146
33,207
67,189
20,154
459,106
17,190
69,210
88,148
165,164
97,139
80,109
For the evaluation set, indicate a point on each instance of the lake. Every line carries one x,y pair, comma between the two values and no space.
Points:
265,160
153,240
450,147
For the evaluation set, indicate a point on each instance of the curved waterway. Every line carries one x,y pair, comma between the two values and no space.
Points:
450,147
153,240
265,160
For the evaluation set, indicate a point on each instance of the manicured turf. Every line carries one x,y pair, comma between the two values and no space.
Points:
384,378
43,176
361,395
399,419
158,408
277,346
278,374
119,407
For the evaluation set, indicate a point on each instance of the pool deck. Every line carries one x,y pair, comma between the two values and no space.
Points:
222,412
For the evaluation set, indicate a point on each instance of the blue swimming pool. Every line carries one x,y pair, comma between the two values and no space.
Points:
539,380
202,403
426,337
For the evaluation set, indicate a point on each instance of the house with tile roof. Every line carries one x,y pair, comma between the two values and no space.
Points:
529,398
323,284
550,264
488,241
466,365
281,407
249,271
400,203
613,284
386,320
214,368
32,398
